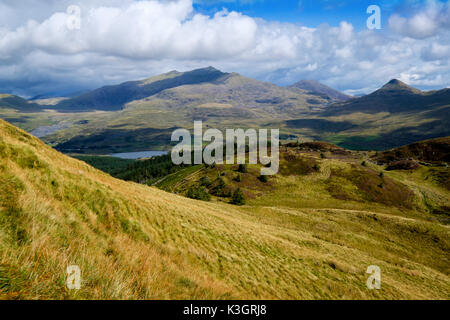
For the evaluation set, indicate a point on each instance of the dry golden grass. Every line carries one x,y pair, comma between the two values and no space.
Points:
137,242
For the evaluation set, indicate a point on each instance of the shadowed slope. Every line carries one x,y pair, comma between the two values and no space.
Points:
111,98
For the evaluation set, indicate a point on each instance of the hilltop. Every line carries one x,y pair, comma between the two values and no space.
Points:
434,151
9,101
137,242
317,88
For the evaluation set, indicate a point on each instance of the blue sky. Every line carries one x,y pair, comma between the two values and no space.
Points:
310,13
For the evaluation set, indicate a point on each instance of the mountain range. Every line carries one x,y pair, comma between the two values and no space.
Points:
141,114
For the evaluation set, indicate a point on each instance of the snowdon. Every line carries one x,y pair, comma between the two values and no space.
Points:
235,149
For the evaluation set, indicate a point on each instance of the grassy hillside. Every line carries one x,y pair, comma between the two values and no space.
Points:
133,241
9,101
339,178
435,150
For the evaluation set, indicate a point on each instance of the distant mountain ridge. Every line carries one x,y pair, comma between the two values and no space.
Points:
111,98
144,112
395,96
17,103
315,87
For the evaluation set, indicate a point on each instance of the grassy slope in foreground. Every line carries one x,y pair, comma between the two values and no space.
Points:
133,241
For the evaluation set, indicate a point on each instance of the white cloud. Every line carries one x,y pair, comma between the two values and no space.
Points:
427,22
127,40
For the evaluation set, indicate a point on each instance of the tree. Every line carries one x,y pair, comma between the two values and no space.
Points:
238,197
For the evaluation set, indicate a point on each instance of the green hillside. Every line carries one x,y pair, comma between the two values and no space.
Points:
132,241
9,101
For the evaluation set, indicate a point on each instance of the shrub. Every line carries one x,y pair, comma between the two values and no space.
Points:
238,197
364,164
198,193
205,182
322,156
220,189
238,178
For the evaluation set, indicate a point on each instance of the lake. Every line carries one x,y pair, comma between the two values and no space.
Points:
139,154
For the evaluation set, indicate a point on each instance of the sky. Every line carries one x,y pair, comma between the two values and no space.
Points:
59,47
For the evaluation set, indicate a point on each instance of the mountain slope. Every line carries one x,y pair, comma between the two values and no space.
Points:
435,150
392,116
315,87
137,242
229,100
115,97
207,85
394,97
9,101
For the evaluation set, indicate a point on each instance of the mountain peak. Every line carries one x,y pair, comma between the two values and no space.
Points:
396,82
316,87
397,85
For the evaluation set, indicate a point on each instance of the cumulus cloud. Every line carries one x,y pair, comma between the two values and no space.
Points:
427,22
126,40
